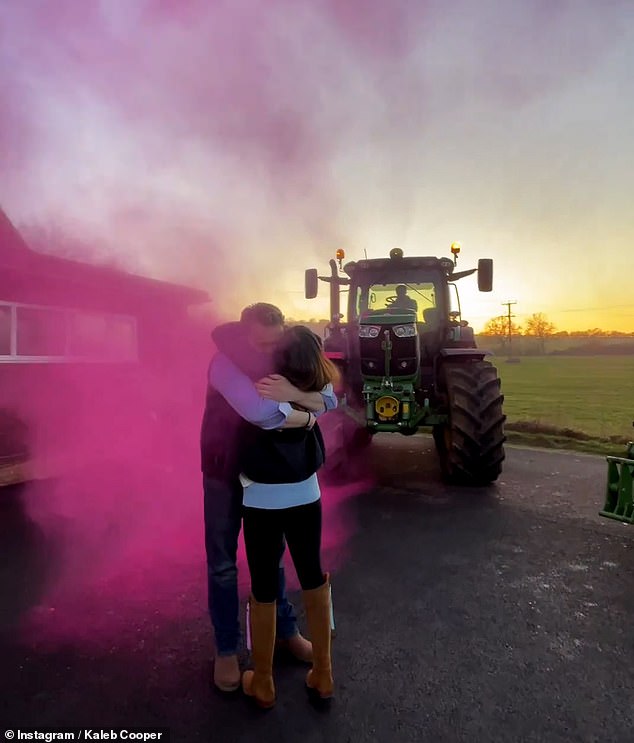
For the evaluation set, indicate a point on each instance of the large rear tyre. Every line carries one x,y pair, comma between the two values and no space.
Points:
471,444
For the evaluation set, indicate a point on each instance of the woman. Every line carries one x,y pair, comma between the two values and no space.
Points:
282,502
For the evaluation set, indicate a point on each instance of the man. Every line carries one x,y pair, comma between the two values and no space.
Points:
403,301
235,395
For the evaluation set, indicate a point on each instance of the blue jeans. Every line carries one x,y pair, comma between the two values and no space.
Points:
223,519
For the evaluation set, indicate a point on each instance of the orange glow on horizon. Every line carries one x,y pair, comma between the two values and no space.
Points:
572,297
619,320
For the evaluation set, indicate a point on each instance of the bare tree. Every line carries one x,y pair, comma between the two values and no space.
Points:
498,327
495,327
538,326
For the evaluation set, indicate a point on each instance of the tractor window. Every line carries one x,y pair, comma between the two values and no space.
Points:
420,297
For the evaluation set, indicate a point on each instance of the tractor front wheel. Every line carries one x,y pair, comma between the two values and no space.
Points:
471,444
346,448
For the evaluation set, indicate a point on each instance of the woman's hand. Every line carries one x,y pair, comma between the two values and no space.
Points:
278,388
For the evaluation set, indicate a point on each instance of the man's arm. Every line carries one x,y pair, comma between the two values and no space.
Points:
239,391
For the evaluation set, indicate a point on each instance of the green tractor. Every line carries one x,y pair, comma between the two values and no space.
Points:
619,503
408,360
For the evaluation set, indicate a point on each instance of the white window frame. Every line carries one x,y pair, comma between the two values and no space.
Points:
66,358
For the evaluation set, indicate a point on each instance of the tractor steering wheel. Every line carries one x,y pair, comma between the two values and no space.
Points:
389,301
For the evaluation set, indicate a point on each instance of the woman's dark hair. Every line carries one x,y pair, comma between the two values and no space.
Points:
300,358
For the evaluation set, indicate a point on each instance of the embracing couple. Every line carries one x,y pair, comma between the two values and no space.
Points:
261,449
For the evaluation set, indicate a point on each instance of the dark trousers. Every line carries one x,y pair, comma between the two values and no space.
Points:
264,533
223,515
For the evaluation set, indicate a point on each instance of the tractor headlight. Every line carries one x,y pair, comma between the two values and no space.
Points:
369,331
405,331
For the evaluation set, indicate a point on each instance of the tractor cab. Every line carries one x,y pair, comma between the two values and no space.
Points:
414,305
415,295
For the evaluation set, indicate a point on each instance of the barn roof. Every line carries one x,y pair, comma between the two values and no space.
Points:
19,260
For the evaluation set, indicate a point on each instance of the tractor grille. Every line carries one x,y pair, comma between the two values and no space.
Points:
405,353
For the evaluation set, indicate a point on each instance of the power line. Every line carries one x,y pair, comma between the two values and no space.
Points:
509,315
596,309
554,310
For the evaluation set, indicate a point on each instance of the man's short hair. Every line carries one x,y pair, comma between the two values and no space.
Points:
262,313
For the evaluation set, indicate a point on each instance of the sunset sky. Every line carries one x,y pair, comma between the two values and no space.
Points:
230,145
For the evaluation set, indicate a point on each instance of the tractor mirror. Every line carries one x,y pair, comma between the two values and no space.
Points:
311,284
485,274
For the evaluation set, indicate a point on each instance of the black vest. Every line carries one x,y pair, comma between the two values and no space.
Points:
230,445
289,455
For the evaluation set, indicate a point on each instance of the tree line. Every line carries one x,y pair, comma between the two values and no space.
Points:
535,335
538,327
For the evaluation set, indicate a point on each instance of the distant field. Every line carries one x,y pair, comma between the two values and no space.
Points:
592,394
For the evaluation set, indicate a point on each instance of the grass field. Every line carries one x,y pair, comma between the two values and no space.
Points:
591,395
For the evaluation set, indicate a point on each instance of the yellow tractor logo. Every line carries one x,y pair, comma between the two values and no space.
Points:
387,407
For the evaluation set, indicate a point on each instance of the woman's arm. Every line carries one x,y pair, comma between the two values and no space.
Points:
319,402
300,419
329,397
278,388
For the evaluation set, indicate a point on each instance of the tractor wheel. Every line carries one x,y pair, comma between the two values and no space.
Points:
471,444
346,448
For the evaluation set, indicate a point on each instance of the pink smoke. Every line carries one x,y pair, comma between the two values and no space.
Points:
119,572
115,447
187,131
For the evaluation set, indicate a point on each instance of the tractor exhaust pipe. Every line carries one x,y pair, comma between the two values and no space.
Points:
335,302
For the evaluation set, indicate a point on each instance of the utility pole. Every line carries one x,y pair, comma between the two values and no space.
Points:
510,326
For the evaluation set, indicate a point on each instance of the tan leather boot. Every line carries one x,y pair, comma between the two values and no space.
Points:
258,683
317,602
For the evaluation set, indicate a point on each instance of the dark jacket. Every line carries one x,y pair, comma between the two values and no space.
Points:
230,445
291,455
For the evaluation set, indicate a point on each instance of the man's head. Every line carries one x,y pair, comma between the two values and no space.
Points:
401,291
264,325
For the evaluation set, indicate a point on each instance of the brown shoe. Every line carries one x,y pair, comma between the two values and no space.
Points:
299,647
227,673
